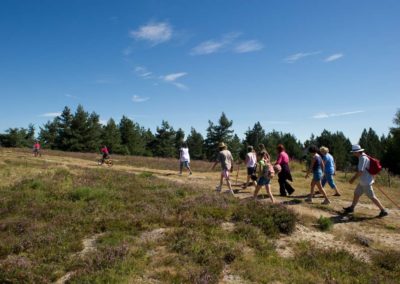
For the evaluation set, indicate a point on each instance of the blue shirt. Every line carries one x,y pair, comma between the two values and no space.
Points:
329,164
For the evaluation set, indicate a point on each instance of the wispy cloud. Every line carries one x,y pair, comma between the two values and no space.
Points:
334,57
248,46
297,56
321,115
139,99
155,33
50,114
127,51
213,46
142,71
173,77
71,96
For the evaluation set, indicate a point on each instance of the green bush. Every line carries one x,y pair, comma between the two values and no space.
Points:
87,194
272,219
324,224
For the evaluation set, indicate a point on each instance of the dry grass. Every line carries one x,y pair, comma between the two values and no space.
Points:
48,206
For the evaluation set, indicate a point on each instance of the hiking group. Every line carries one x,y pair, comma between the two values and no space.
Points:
260,171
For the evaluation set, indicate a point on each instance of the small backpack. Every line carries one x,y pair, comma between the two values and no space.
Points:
268,171
374,166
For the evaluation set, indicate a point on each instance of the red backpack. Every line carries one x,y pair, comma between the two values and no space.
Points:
374,166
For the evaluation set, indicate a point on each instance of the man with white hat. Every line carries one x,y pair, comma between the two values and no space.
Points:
365,183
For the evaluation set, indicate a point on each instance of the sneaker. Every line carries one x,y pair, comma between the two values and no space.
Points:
337,194
348,209
326,202
383,213
308,199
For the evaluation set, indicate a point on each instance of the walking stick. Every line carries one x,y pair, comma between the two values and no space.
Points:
237,174
388,197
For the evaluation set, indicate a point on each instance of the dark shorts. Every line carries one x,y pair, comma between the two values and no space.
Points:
105,156
251,171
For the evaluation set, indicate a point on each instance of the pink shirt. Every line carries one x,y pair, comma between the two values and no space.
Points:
36,146
104,150
283,158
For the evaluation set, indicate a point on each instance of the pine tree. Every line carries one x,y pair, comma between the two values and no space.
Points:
48,134
94,133
391,156
131,138
111,137
195,143
64,135
371,143
79,130
164,143
216,134
179,139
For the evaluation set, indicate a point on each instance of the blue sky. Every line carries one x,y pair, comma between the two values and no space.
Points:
295,66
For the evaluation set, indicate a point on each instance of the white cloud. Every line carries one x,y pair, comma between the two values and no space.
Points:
51,114
297,56
213,46
334,57
155,33
143,72
248,46
321,115
71,96
173,77
139,99
180,86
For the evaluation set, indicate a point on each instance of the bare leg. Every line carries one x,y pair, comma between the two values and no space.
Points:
356,198
268,189
256,191
321,189
377,203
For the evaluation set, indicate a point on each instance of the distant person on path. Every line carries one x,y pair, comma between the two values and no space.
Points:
365,183
265,174
184,158
105,152
284,175
329,163
36,148
261,148
317,168
251,164
226,160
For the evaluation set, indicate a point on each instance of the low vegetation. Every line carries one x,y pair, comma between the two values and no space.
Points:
148,229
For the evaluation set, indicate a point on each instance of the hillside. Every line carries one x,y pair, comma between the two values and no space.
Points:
63,219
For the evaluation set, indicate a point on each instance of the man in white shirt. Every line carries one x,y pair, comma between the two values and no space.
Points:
365,183
184,158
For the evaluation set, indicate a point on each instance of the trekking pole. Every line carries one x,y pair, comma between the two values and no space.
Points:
388,197
237,174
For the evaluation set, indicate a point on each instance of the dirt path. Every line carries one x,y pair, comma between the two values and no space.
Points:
380,233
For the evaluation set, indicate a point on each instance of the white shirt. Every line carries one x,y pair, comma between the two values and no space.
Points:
251,160
363,164
185,157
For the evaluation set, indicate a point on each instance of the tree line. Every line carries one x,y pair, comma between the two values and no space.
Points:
82,132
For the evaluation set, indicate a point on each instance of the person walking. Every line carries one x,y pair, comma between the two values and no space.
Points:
226,160
251,162
317,168
184,159
329,172
36,148
265,173
106,154
284,175
365,183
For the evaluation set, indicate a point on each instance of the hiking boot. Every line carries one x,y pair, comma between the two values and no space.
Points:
383,213
348,209
326,202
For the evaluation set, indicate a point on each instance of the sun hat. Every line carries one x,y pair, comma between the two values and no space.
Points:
222,145
356,148
324,149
